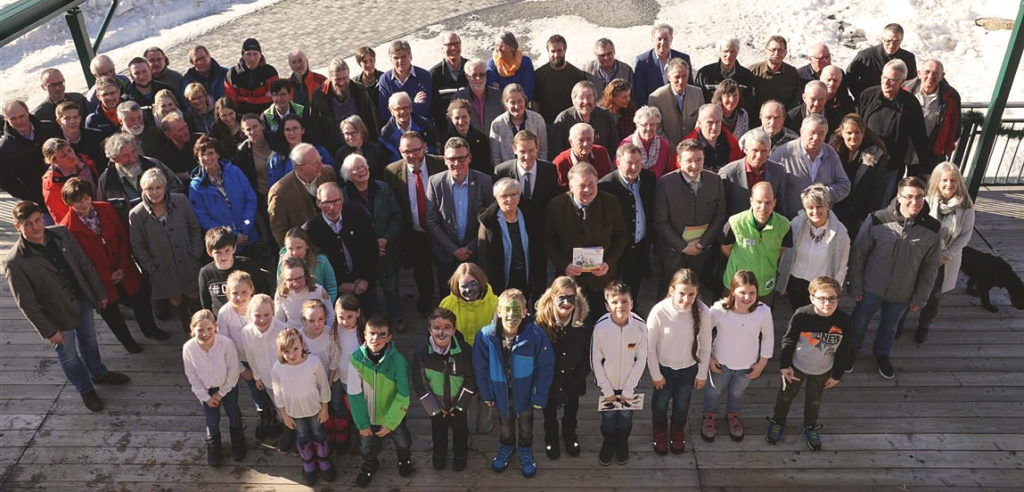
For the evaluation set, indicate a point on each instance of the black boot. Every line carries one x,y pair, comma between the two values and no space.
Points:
622,446
184,315
572,443
213,450
286,441
405,468
604,456
262,424
238,447
551,444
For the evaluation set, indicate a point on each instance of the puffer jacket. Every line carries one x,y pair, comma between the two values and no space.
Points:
237,210
532,367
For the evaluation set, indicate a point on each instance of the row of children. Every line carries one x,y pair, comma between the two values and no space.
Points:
509,366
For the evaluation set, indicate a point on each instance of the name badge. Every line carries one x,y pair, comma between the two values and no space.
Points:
748,242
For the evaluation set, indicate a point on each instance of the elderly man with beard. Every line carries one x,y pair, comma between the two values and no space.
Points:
807,161
119,184
940,104
555,81
584,110
605,68
52,82
485,102
720,146
814,101
582,148
448,76
133,122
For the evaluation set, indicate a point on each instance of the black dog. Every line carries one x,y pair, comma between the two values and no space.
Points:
985,271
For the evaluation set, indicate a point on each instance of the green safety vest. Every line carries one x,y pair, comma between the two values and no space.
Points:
756,250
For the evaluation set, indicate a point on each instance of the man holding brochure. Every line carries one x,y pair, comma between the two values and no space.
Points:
586,218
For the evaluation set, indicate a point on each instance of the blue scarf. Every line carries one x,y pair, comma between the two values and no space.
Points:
507,242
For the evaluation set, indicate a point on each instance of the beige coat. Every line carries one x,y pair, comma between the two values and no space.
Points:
675,124
290,204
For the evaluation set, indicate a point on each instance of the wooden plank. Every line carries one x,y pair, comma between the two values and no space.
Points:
1007,460
785,476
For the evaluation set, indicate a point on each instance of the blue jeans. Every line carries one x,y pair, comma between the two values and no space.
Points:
617,420
370,446
678,387
309,429
79,357
891,314
230,405
733,380
337,403
260,398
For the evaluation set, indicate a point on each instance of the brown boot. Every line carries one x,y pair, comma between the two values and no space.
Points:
660,440
678,436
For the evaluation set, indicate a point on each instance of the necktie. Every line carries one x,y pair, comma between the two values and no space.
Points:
421,198
527,189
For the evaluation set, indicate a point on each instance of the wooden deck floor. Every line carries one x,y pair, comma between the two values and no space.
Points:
952,418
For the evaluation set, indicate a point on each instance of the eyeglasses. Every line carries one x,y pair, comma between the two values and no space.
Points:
823,57
59,83
479,75
415,151
296,279
826,299
331,203
456,158
912,198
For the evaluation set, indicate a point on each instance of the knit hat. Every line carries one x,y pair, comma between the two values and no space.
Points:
251,44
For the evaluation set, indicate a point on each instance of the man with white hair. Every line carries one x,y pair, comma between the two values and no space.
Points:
678,101
336,99
940,103
291,201
133,122
866,68
719,144
484,101
605,67
818,58
727,67
584,110
582,148
448,76
896,117
304,81
404,77
120,185
810,160
814,101
839,98
651,67
103,66
741,175
52,82
403,120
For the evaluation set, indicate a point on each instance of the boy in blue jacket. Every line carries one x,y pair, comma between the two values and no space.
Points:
513,363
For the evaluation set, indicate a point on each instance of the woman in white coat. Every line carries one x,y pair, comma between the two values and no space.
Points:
821,246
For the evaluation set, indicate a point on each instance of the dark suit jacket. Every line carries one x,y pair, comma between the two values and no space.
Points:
395,177
493,107
290,205
637,254
545,186
324,128
737,191
676,207
647,74
357,235
441,212
564,230
491,256
795,118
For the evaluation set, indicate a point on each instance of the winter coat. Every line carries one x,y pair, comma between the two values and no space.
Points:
53,183
237,210
955,247
22,165
946,133
867,185
109,251
281,164
493,258
213,81
170,254
837,238
443,381
572,362
378,394
250,88
321,112
387,221
113,188
471,316
532,367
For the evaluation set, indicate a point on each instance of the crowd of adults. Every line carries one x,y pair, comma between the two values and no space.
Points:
788,172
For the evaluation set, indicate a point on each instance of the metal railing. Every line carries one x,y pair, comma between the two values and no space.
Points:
1006,165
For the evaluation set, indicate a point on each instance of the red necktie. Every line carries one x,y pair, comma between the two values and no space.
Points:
421,198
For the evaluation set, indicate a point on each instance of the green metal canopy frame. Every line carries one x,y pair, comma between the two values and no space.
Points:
26,15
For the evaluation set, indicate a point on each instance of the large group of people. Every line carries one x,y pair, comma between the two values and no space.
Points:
265,212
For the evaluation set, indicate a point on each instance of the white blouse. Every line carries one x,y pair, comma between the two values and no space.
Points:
326,350
218,368
230,324
288,309
737,345
261,350
301,388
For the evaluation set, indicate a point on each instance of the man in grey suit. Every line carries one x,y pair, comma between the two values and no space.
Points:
678,102
454,199
741,175
537,178
605,68
479,94
689,212
808,160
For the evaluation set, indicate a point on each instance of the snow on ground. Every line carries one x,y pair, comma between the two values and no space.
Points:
137,24
942,29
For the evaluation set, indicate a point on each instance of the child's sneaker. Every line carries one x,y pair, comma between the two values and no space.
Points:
500,461
735,427
527,464
813,437
707,426
885,367
774,433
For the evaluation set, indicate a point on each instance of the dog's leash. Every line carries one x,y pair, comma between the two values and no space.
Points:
982,236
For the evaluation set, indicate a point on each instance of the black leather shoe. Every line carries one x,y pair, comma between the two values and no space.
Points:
92,401
572,446
112,378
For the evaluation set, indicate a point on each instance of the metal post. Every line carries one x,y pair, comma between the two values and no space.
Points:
104,26
79,33
994,116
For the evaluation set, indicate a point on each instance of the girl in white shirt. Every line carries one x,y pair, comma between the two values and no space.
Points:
302,392
231,320
259,337
742,347
678,350
296,286
342,433
211,365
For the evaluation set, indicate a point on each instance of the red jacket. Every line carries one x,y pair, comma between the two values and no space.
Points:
563,162
312,82
109,251
53,183
947,131
250,89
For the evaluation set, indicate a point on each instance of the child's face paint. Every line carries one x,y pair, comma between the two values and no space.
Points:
512,314
441,332
377,337
469,288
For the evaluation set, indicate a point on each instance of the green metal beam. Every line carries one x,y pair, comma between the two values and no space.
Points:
994,116
103,27
80,35
21,17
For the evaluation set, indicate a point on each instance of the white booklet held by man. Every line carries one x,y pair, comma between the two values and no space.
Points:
589,259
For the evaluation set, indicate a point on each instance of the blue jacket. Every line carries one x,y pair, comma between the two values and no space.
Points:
97,120
419,80
280,164
523,76
647,74
212,210
391,136
214,81
533,363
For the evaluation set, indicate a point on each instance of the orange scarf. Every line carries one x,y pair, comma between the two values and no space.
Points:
111,114
508,69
